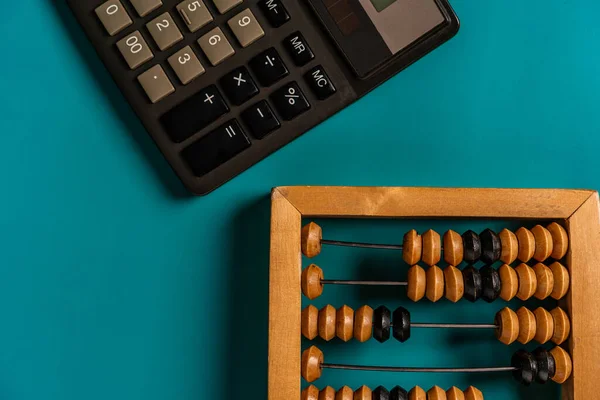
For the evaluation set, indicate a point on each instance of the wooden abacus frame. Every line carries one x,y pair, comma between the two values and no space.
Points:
578,209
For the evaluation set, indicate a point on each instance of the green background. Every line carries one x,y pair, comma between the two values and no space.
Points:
115,284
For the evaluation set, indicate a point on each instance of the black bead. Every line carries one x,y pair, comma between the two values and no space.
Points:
526,367
381,324
490,283
491,247
546,365
381,393
473,284
471,246
401,319
398,393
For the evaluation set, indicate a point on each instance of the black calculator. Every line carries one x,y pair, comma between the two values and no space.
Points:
221,84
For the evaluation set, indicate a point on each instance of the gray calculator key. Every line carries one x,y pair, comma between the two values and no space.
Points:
216,47
113,16
134,49
145,7
164,31
246,28
156,84
225,5
195,14
186,65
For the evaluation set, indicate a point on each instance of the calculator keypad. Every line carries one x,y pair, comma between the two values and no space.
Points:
275,12
145,7
246,28
319,82
134,49
268,67
298,48
261,119
164,31
195,14
239,86
225,5
290,101
186,65
216,46
156,84
113,16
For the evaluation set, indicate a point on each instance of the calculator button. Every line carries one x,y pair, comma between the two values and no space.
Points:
194,114
134,49
186,65
225,5
195,14
319,82
246,28
216,148
261,119
145,7
164,31
156,84
113,16
239,86
297,47
216,46
268,67
275,12
290,101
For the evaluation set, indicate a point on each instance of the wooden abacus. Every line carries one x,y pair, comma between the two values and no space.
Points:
565,246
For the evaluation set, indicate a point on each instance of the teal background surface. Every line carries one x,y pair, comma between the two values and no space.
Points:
117,285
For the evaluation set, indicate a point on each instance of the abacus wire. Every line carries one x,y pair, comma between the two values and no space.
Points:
416,369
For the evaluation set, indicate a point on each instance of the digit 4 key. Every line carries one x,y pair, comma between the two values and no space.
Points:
221,84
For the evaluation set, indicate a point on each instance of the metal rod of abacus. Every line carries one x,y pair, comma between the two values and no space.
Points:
415,369
362,283
455,326
363,245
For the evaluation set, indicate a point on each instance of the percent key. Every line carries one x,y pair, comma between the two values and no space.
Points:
290,101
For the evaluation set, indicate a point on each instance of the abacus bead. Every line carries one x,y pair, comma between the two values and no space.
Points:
401,324
545,362
490,283
508,326
544,325
543,243
436,393
344,320
562,325
526,244
472,393
412,247
509,245
526,367
471,246
417,393
312,358
363,323
310,322
453,248
327,394
454,282
545,281
398,393
527,282
381,393
432,247
455,393
310,393
527,325
311,282
327,322
509,282
381,324
345,393
311,240
563,365
472,282
561,280
417,283
491,248
560,240
363,393
434,283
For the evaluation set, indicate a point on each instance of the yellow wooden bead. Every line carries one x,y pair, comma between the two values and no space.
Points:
560,240
327,322
417,283
310,322
417,393
310,281
510,246
510,282
412,247
527,325
345,393
545,281
363,323
561,280
544,325
327,394
311,236
363,393
310,393
344,320
436,393
472,393
455,393
527,282
453,248
564,365
434,283
508,326
543,243
432,247
526,244
562,325
310,368
454,282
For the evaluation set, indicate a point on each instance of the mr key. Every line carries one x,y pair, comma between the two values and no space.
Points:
221,84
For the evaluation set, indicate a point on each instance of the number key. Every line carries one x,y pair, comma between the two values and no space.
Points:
216,47
145,7
164,31
195,14
134,50
113,16
186,65
246,28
